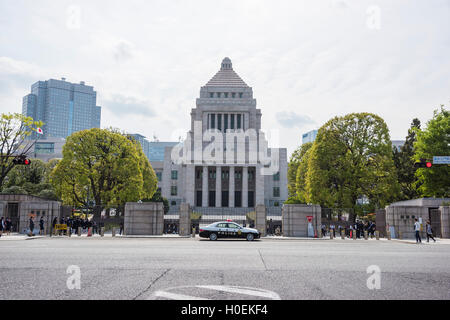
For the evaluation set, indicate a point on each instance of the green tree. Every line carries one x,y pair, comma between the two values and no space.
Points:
404,162
302,171
14,131
434,141
350,158
104,166
294,162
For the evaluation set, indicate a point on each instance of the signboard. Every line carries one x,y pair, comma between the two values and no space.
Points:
441,160
61,227
310,218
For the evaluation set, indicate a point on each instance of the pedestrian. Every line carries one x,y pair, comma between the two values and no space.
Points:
430,232
8,226
417,230
121,227
54,223
41,226
31,225
1,226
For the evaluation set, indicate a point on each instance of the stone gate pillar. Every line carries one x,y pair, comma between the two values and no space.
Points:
261,219
185,219
144,218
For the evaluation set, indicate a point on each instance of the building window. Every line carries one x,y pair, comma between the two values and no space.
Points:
238,121
173,190
173,203
212,174
159,176
276,177
237,174
241,95
232,121
213,121
174,175
276,191
233,95
225,174
219,121
219,94
226,94
44,148
250,175
211,94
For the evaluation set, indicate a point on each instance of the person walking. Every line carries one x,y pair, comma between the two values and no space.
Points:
121,227
417,230
8,226
41,226
429,232
31,225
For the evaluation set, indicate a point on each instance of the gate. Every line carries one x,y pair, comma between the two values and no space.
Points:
435,219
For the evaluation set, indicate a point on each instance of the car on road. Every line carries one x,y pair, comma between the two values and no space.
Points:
227,230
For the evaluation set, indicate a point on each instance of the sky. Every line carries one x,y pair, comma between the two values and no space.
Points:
307,61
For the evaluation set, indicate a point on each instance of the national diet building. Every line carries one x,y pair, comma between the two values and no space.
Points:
225,163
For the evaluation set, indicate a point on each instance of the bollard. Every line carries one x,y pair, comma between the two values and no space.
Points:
377,235
354,235
343,234
89,232
102,231
193,232
320,233
331,234
388,235
79,231
366,235
113,232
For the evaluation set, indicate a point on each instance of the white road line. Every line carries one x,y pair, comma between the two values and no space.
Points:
176,296
245,291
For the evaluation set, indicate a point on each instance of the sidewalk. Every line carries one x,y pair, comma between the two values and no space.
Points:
18,236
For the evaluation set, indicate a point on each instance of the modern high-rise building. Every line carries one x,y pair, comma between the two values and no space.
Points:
64,107
309,136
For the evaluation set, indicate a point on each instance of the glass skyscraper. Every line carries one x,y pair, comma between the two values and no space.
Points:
64,107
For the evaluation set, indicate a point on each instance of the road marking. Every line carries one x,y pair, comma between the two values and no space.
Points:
176,296
245,290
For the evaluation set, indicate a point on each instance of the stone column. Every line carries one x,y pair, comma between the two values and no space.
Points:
231,188
189,186
185,220
218,187
205,187
261,219
245,187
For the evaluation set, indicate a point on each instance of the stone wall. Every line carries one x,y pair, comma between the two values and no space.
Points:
144,218
185,219
295,222
402,219
445,222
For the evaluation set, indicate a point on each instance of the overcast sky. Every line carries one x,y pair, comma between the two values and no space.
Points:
307,61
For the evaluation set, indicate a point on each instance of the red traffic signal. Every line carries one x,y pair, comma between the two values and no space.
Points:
423,164
21,160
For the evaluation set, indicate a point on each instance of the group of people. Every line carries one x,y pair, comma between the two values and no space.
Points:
428,230
5,226
358,228
171,228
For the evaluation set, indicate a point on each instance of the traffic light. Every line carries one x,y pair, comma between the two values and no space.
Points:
21,160
423,163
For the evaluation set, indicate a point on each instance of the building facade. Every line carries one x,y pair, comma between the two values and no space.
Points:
309,136
63,107
224,162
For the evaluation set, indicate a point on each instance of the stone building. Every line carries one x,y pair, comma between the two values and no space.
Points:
225,162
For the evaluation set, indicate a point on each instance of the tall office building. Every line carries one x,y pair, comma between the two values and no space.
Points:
64,107
309,136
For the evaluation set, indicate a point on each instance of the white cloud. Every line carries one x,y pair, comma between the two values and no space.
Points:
308,60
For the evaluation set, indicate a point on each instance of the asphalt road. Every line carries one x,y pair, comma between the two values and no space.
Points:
201,269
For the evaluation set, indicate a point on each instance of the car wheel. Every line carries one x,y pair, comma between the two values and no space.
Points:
213,237
250,237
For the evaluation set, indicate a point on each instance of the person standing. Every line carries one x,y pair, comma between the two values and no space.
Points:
41,226
121,227
31,225
429,232
1,226
417,230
